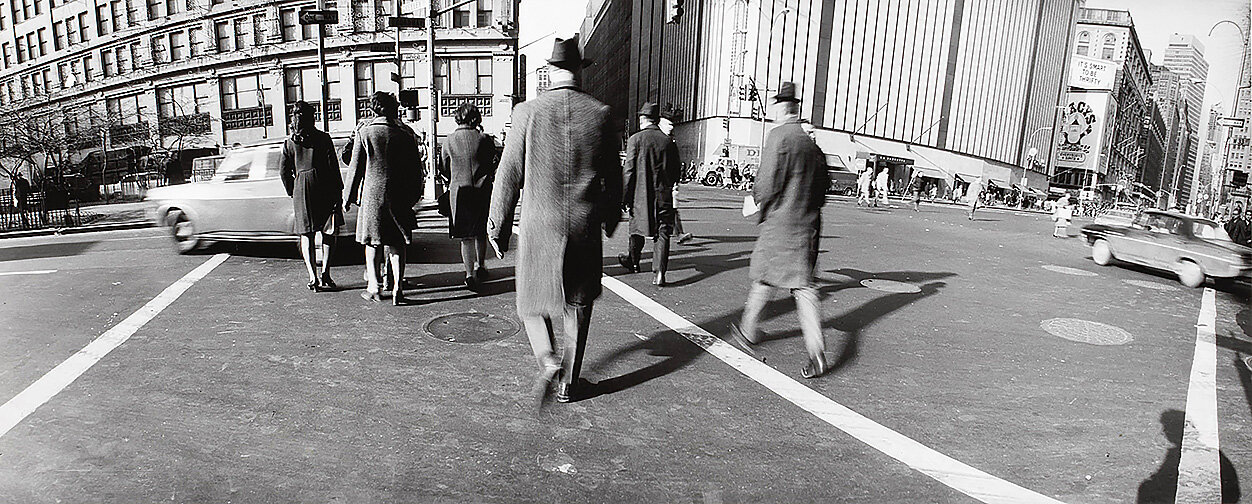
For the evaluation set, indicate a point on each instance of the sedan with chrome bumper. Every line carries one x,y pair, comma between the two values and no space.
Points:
1191,247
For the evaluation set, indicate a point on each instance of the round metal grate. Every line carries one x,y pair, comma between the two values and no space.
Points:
1086,331
1151,285
470,327
893,286
1067,270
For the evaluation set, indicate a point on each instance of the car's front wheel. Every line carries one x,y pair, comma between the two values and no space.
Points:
183,231
1190,274
1101,253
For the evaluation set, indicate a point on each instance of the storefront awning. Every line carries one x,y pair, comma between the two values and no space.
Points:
884,150
835,161
931,172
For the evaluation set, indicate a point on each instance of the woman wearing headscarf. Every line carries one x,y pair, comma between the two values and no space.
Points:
467,163
385,184
310,172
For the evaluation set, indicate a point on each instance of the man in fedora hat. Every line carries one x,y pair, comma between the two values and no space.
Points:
563,150
667,126
790,190
649,176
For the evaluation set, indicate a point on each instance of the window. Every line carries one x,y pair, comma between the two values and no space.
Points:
2,23
216,2
468,76
71,34
258,29
45,78
27,11
222,30
115,12
38,10
241,35
154,10
21,51
135,56
158,49
26,86
124,110
124,63
32,47
241,92
484,13
17,14
461,17
304,83
102,20
58,35
76,71
7,58
1084,40
89,69
197,41
178,46
63,75
43,42
82,27
109,59
182,100
132,14
173,7
364,80
288,24
1110,44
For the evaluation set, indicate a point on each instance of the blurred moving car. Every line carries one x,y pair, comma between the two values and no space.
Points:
1122,214
244,201
1193,248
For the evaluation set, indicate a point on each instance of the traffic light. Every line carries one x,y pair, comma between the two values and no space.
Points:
726,123
673,10
408,97
743,92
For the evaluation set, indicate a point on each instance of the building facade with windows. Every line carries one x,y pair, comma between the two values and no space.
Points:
1185,56
174,74
1166,95
959,87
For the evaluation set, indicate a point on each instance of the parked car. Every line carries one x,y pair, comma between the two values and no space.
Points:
244,201
1193,248
841,182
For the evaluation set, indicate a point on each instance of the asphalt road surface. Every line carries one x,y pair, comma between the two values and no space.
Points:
989,362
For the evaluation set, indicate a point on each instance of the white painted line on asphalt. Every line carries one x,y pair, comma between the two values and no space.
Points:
942,468
52,383
1199,466
31,272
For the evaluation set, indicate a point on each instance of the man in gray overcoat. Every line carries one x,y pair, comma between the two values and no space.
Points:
649,176
790,190
563,150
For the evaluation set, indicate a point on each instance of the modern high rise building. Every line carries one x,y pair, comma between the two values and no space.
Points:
191,73
958,89
1166,95
1185,56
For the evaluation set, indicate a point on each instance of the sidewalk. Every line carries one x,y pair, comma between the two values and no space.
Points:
103,217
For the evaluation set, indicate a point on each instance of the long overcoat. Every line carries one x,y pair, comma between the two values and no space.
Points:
467,161
649,175
387,180
562,148
790,190
310,173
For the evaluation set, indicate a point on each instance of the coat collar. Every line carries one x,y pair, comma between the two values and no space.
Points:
564,85
465,127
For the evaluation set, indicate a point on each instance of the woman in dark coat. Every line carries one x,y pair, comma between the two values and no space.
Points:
385,185
467,163
310,173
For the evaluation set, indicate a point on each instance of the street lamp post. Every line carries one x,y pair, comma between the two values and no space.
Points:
769,53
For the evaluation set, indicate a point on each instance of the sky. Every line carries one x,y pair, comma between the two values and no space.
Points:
1156,20
541,21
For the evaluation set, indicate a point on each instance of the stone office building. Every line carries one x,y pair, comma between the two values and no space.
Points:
222,72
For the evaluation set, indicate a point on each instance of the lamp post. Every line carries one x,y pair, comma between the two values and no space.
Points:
1221,188
769,52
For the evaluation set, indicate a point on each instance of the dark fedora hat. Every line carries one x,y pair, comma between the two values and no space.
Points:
565,54
650,110
786,93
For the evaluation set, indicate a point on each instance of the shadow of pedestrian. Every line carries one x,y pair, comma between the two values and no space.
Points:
1162,486
678,353
45,250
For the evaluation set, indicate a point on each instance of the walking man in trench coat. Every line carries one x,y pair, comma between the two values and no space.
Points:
790,190
563,150
647,193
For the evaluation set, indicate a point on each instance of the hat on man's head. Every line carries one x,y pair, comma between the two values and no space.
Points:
650,110
565,54
786,93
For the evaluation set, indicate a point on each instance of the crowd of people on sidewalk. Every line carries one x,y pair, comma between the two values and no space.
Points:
563,150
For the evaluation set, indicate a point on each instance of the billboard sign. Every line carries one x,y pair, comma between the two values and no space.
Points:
1080,137
1092,73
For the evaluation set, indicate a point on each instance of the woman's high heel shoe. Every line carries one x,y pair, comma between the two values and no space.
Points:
371,296
326,282
312,285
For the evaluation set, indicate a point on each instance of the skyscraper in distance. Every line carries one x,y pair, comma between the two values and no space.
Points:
1185,57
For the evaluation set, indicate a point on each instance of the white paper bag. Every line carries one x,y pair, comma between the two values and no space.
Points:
749,206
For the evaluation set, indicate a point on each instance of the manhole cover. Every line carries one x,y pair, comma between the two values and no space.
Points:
1067,270
879,284
470,327
1086,331
1151,285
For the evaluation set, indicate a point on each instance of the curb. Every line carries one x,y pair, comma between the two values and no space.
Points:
77,230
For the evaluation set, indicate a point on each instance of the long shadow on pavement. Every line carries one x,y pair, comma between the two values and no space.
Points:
1161,486
45,250
679,352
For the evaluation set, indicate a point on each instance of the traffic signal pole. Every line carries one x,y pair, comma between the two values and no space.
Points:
321,66
432,136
